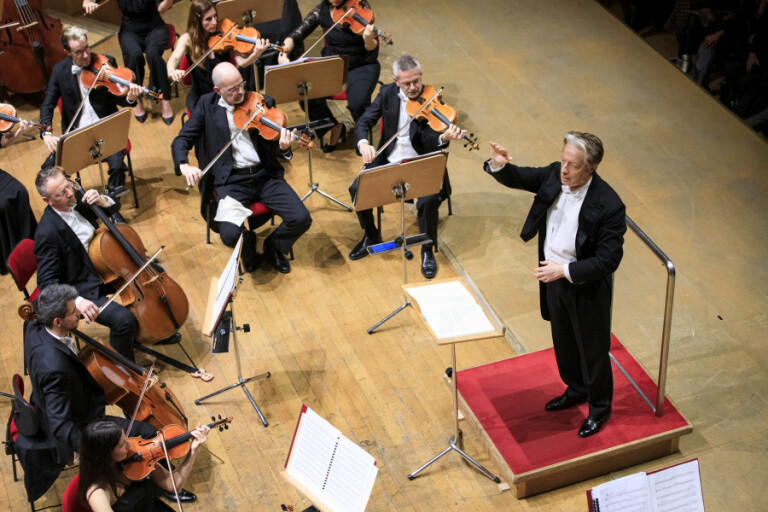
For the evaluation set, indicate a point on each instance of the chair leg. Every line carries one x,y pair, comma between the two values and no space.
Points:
133,182
450,208
208,224
13,463
379,211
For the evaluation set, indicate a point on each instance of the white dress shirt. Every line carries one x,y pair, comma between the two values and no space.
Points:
66,340
243,151
562,226
403,148
88,115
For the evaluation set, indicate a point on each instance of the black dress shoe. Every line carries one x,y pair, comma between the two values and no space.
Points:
276,258
184,496
592,425
330,148
169,120
428,263
249,265
141,118
361,249
564,401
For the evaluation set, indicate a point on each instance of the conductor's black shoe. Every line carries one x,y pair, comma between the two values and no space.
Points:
564,401
184,496
117,218
276,258
361,249
592,425
428,263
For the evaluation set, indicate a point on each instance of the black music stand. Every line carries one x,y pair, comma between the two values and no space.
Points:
410,179
86,146
222,296
302,81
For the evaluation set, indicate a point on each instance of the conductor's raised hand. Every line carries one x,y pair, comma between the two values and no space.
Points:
499,156
191,173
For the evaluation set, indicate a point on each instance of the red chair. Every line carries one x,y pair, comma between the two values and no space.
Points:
23,265
22,420
70,501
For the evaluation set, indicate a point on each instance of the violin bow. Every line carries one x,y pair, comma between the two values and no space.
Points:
206,54
141,396
133,277
85,98
326,33
215,159
384,146
170,471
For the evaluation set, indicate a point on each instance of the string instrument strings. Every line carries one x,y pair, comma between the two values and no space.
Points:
439,115
356,18
143,454
117,80
242,40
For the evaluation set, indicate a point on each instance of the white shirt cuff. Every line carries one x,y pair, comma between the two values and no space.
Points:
567,273
78,300
361,141
490,166
111,201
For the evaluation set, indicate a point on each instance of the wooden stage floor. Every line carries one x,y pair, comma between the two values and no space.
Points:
520,73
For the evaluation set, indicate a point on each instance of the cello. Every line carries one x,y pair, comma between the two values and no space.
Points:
157,301
28,51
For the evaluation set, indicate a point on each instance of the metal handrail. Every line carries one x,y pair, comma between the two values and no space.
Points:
665,333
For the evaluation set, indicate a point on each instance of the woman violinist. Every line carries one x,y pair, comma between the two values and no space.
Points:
364,68
203,22
103,486
143,32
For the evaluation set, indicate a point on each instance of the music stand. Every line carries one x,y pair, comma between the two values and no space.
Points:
222,296
410,179
83,147
250,12
302,81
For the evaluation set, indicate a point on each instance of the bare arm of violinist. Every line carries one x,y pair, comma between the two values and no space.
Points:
286,137
452,133
368,152
172,67
369,38
8,138
89,6
164,6
160,475
245,60
191,173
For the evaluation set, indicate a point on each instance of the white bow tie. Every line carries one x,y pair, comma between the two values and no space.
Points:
76,69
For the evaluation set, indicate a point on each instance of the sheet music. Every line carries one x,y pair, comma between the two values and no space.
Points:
450,310
226,284
677,489
628,494
330,466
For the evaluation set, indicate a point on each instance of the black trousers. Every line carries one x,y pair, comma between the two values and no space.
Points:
580,319
152,43
122,325
277,195
361,81
116,168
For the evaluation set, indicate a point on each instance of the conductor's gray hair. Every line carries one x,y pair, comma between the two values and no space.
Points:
590,144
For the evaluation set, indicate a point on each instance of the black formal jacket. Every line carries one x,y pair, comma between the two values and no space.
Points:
63,84
65,397
61,258
599,239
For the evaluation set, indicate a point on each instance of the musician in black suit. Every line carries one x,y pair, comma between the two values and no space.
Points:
64,394
65,85
246,172
417,139
61,247
581,223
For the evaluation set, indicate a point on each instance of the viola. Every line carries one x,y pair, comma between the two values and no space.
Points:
28,51
358,19
242,40
159,304
123,380
117,80
269,122
8,118
143,454
439,115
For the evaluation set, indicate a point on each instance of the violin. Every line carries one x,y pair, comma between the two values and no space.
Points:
157,301
269,122
8,119
439,115
359,18
143,454
123,380
116,80
242,40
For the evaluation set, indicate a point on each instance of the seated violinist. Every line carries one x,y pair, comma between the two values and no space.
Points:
65,84
417,139
248,171
64,394
104,487
62,239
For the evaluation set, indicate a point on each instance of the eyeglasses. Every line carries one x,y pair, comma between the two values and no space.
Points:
236,88
63,192
412,83
80,53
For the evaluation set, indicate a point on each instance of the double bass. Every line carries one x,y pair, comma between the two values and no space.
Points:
157,301
30,48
